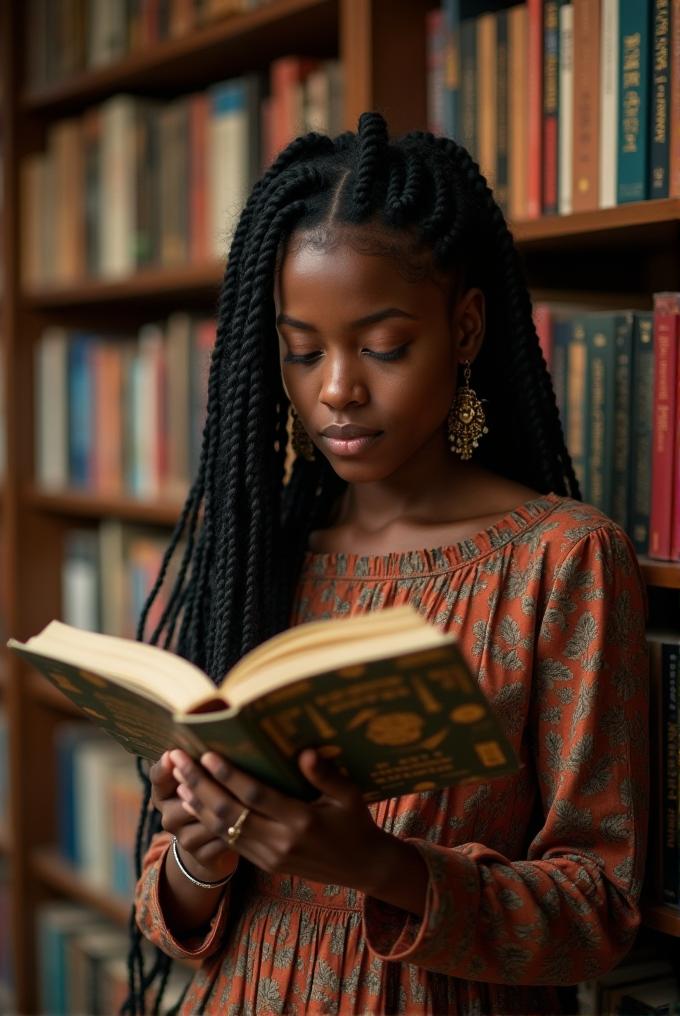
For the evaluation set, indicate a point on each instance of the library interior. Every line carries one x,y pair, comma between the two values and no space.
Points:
130,136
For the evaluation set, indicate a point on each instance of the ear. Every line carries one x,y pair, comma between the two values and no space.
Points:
469,324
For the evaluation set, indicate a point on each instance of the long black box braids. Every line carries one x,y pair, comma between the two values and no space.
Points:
424,203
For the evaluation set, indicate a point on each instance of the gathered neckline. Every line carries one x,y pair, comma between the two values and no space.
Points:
420,563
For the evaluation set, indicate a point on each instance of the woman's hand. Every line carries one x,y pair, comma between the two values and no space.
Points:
333,840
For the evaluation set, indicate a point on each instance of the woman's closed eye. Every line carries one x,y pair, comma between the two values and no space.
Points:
302,357
393,354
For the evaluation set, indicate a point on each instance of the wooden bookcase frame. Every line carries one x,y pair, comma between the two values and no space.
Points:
634,248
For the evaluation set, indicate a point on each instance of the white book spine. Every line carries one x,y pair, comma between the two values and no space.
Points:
565,119
79,593
51,453
92,765
117,192
609,103
228,177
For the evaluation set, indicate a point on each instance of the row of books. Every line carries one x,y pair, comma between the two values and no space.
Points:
136,182
98,803
644,982
68,36
664,846
616,382
130,557
122,414
82,963
6,939
568,106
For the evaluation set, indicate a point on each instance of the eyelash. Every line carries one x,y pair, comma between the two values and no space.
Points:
395,354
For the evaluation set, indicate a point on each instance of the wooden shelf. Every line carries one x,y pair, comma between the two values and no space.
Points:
190,282
640,222
227,48
661,573
661,917
84,505
58,874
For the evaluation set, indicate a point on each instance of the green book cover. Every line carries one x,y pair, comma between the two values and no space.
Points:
601,339
401,724
642,413
634,82
578,421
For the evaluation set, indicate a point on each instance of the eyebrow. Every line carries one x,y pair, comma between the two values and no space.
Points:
370,319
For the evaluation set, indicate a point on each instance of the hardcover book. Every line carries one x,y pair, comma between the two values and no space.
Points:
385,695
642,417
633,164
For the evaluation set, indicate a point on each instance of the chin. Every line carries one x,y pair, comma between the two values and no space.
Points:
356,471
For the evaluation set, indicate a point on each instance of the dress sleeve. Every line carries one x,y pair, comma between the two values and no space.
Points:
569,911
151,920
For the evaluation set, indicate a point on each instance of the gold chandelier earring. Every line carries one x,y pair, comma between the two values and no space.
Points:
303,446
466,419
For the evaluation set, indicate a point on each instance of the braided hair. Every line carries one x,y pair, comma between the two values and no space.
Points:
244,530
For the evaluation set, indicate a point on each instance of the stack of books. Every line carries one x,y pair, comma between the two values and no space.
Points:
122,415
99,797
82,963
70,36
138,182
567,106
130,557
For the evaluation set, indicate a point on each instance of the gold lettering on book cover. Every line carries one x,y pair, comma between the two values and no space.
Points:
429,702
469,713
64,682
490,753
394,729
359,696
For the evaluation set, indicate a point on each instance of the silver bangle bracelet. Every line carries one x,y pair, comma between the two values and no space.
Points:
201,885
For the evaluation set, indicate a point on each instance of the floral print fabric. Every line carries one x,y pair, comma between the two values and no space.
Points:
534,879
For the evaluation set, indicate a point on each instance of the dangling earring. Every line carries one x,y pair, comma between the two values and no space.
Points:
466,420
303,446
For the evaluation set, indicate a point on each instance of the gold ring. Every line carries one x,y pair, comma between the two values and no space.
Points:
234,831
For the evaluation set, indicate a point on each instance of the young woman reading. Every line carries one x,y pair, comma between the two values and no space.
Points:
373,288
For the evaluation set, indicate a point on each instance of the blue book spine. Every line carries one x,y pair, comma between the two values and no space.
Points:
451,10
228,97
80,411
558,368
660,97
641,431
601,338
623,362
634,79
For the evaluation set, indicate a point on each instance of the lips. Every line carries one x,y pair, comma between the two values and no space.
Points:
349,439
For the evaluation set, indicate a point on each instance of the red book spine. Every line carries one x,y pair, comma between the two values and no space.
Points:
664,425
198,185
550,91
675,527
535,109
674,166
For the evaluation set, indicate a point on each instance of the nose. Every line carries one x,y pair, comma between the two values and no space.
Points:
343,384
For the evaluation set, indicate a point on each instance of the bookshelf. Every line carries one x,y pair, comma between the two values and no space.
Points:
623,250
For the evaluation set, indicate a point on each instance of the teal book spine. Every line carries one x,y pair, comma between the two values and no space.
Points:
623,361
578,425
558,368
634,87
601,339
642,412
660,100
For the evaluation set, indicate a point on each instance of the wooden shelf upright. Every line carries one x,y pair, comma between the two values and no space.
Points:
382,43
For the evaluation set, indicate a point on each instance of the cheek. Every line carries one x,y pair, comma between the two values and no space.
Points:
415,401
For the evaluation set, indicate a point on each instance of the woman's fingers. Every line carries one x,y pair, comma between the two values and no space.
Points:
163,783
252,793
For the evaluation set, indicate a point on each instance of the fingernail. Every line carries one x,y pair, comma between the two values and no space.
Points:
184,792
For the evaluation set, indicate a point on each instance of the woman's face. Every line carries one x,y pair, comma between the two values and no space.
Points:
369,359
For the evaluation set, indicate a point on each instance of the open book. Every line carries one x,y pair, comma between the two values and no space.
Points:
385,695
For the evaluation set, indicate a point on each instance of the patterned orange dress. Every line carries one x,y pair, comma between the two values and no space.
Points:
534,879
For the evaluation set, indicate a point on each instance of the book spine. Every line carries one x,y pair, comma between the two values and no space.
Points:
452,69
659,92
550,104
486,96
502,111
558,368
641,432
577,417
51,391
565,117
80,411
535,112
675,523
609,103
633,161
518,90
671,855
663,447
434,30
585,186
600,386
623,352
674,127
468,86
